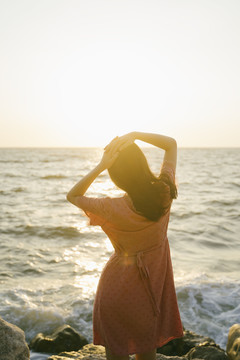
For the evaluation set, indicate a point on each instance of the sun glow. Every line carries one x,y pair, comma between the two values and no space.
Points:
87,284
98,69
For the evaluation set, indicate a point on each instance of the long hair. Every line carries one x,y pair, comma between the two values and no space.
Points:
151,195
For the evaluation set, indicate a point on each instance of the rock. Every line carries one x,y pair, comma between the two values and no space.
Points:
207,352
88,352
182,345
233,344
164,357
64,338
96,352
12,345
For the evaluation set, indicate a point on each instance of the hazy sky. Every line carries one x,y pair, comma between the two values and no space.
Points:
79,72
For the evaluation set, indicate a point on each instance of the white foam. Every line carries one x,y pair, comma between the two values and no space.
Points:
209,308
38,356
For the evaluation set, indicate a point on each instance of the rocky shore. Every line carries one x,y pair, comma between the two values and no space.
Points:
66,343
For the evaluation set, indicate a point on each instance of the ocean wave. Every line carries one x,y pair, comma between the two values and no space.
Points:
209,308
206,307
38,356
53,177
4,274
52,160
31,312
11,191
18,189
31,271
235,184
33,319
66,232
11,175
225,202
208,243
186,214
19,161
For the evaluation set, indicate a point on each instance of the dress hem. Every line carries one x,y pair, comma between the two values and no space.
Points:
132,352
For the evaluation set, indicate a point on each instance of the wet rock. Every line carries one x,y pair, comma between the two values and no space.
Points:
96,352
164,357
184,344
64,338
207,352
12,344
233,344
88,352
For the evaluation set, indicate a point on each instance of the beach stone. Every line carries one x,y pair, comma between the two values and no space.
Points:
233,344
97,352
164,357
12,342
207,352
183,345
88,351
64,338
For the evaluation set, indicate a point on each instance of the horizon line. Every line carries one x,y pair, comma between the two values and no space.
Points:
97,147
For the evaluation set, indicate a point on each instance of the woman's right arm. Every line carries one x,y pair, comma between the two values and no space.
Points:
164,142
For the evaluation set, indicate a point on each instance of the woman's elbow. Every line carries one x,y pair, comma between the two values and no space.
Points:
172,144
70,198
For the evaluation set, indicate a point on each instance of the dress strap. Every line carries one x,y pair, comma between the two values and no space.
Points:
144,274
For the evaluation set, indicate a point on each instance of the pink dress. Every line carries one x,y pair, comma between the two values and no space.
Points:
135,308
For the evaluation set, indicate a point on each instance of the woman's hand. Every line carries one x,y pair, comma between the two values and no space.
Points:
119,143
109,156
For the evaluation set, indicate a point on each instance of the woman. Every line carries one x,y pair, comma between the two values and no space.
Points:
135,309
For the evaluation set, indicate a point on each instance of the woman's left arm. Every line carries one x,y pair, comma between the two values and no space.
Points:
108,158
81,187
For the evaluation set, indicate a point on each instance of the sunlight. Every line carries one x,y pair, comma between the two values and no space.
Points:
102,79
83,229
87,283
108,245
87,271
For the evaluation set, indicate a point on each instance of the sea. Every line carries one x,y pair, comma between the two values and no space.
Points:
51,259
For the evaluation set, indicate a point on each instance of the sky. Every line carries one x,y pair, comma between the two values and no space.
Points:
77,73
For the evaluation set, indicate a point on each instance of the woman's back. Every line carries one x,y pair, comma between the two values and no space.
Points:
135,308
128,231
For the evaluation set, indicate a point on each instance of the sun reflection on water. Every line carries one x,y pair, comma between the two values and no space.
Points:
84,229
86,270
108,245
87,284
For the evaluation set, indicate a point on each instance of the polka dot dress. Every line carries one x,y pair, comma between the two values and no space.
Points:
135,308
